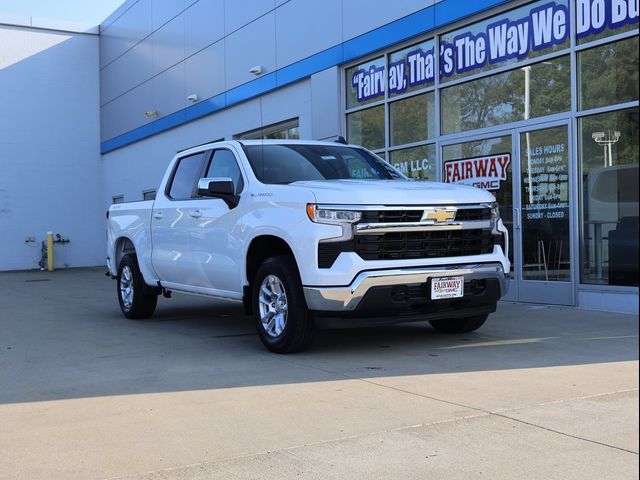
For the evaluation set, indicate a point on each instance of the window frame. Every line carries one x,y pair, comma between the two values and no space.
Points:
212,152
167,189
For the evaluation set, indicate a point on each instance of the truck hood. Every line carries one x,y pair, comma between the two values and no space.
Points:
393,192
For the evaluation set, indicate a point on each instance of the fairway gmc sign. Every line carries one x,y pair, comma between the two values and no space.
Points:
481,172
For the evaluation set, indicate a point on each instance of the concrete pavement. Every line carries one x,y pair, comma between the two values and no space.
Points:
538,392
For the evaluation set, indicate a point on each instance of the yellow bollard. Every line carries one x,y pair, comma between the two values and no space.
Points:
50,251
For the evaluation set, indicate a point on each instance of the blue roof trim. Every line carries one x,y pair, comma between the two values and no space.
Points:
251,89
206,107
449,11
418,23
385,36
310,65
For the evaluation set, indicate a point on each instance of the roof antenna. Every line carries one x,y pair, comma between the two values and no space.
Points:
341,140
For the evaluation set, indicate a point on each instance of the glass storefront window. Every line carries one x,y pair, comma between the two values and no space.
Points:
533,91
366,82
526,32
366,127
544,199
597,19
491,150
608,162
412,119
609,74
412,68
416,162
287,130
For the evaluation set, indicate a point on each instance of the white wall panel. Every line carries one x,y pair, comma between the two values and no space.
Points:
204,72
325,104
49,144
168,90
127,111
204,25
239,13
126,31
361,16
304,28
168,45
164,10
127,71
250,46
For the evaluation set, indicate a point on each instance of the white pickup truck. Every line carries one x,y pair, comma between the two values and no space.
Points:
301,232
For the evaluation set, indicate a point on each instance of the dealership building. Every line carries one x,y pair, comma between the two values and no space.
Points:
536,102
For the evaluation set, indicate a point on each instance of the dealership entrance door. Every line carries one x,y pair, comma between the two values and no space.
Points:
529,172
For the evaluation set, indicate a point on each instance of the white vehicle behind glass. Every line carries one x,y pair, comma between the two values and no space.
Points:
307,233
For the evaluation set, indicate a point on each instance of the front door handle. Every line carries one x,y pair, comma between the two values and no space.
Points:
516,218
195,213
157,215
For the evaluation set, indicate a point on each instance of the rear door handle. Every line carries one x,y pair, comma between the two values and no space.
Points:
157,215
195,213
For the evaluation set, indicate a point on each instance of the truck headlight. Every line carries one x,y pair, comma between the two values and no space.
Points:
331,216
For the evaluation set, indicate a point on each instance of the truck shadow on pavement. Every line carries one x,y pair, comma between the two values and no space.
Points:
63,337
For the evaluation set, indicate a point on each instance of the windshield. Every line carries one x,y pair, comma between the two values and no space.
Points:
283,164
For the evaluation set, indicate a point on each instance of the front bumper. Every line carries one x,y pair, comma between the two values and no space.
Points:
348,298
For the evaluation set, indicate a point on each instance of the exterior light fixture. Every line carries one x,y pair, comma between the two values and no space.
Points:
257,70
193,97
151,114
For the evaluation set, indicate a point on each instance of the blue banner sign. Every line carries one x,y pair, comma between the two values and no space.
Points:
415,68
369,83
513,36
543,27
594,16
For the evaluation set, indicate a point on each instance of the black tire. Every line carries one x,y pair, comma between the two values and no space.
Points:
297,333
143,299
459,325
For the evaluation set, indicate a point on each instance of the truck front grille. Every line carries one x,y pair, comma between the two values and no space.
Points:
410,245
402,216
391,216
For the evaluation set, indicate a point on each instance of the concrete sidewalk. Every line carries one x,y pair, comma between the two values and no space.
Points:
538,392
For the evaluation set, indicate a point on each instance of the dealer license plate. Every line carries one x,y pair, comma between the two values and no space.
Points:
447,287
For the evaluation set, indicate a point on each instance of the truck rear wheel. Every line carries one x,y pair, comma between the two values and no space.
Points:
282,318
459,325
136,301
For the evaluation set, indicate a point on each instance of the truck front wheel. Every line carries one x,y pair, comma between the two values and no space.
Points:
282,318
136,301
459,325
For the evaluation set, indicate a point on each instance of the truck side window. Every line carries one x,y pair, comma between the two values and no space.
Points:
186,176
224,164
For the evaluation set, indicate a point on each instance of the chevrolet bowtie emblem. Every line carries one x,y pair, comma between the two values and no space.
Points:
439,215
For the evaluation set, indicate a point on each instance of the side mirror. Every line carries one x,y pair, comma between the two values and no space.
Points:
219,188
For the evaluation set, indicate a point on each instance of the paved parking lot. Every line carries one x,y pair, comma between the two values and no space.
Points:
539,392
